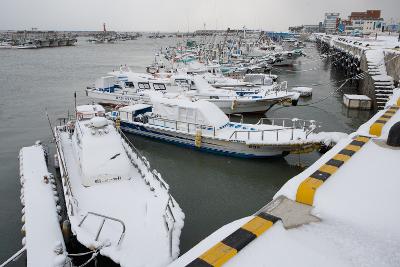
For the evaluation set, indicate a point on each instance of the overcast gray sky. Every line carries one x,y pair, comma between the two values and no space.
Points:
173,15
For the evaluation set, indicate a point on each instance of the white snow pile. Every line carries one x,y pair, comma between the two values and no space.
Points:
357,205
304,91
393,100
44,241
330,138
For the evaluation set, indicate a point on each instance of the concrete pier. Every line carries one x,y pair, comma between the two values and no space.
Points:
375,63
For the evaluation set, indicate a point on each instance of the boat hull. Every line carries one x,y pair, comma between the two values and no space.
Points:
208,144
111,98
245,106
227,106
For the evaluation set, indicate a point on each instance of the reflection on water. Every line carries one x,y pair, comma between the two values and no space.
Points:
211,189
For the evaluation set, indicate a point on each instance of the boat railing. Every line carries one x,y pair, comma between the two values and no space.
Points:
104,217
278,87
261,133
288,122
66,181
140,157
307,126
188,127
169,217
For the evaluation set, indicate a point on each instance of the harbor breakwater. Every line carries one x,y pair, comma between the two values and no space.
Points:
374,65
36,39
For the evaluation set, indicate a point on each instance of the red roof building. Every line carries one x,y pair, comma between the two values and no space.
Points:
368,15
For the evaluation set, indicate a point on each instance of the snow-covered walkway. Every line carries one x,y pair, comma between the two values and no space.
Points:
355,196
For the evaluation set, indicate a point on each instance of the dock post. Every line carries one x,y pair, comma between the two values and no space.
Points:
66,230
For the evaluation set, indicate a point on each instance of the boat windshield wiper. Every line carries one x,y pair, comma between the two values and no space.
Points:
116,155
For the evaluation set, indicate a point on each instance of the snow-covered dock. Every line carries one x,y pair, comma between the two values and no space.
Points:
43,237
372,61
341,211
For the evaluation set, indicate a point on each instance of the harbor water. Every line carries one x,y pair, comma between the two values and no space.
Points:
212,190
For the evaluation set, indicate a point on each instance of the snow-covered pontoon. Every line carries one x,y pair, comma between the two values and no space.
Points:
116,204
202,125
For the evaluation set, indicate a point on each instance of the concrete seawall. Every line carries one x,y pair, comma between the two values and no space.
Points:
392,61
377,62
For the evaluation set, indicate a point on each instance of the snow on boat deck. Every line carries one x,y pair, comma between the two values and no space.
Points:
357,205
146,241
42,226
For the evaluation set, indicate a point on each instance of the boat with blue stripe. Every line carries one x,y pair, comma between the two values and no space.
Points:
203,126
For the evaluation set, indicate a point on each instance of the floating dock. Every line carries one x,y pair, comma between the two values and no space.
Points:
341,211
43,239
357,101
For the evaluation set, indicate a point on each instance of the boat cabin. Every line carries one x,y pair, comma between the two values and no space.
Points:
85,112
128,113
258,79
106,84
199,112
98,148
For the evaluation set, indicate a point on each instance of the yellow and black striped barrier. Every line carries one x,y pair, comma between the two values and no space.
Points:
232,244
306,190
117,123
376,127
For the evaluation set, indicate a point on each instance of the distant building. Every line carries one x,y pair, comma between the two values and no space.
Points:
331,22
367,15
367,22
321,27
305,29
296,29
392,27
311,28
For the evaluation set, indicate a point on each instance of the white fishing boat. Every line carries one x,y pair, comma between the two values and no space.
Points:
135,86
5,45
201,125
116,204
241,100
26,45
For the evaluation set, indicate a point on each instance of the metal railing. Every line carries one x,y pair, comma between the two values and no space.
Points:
307,126
249,133
287,122
102,224
14,257
155,175
278,87
187,125
65,176
142,158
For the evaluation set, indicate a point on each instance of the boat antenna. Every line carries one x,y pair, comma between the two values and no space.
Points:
48,119
75,104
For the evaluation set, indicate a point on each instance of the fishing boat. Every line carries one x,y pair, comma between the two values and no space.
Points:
5,45
203,126
132,86
116,204
26,45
